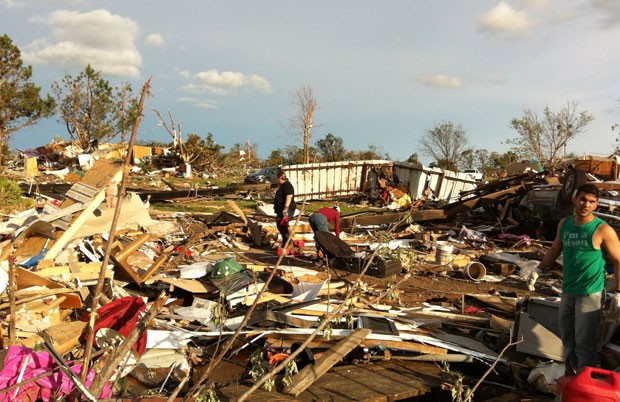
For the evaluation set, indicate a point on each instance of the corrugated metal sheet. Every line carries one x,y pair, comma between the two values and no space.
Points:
331,179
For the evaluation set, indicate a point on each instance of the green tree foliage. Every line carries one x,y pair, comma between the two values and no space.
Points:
413,159
445,143
92,109
276,158
242,155
373,152
21,104
204,154
545,138
331,148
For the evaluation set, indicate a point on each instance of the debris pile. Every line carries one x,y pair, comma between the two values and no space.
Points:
104,296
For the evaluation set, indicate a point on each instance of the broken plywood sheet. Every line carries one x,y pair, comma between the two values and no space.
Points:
25,279
134,214
190,285
102,173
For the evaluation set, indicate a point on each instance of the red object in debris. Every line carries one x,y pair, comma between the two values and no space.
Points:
284,251
299,243
276,358
121,315
591,384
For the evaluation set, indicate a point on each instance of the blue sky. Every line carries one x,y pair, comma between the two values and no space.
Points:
383,72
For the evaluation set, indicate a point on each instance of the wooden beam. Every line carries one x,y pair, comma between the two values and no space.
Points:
312,372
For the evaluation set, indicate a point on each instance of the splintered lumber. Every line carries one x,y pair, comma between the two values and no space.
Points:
64,336
85,272
312,372
99,176
25,279
238,210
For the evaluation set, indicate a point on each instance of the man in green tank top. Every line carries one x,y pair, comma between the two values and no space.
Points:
584,240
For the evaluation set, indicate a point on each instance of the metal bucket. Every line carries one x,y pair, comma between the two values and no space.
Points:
443,252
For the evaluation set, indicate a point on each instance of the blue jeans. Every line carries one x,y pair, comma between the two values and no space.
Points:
318,223
580,321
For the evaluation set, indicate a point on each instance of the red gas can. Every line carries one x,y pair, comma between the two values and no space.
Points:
591,384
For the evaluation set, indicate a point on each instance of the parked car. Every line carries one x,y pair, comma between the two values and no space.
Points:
263,175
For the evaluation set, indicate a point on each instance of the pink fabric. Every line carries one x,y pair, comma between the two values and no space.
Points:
46,388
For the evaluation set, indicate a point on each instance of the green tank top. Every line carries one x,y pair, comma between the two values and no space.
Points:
584,265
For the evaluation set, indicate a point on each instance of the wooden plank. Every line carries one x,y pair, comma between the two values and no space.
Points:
302,380
82,192
85,272
191,285
66,335
60,213
237,210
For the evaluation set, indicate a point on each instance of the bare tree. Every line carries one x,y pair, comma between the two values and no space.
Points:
446,143
546,138
175,133
301,121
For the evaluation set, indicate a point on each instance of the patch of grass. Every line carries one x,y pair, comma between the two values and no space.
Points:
11,199
203,206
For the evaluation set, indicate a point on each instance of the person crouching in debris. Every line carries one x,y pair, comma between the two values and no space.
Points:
584,240
284,204
319,222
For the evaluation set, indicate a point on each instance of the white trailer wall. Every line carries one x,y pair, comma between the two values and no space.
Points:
332,179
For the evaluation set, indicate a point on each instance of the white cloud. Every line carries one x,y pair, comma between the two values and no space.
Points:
221,83
440,80
506,21
99,38
154,40
203,103
12,3
184,73
609,10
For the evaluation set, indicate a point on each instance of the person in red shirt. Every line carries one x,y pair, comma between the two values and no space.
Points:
319,221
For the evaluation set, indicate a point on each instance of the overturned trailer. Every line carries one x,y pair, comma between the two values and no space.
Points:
335,179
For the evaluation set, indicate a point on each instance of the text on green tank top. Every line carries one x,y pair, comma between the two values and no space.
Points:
584,265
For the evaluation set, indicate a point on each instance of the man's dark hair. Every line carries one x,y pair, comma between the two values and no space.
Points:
588,188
